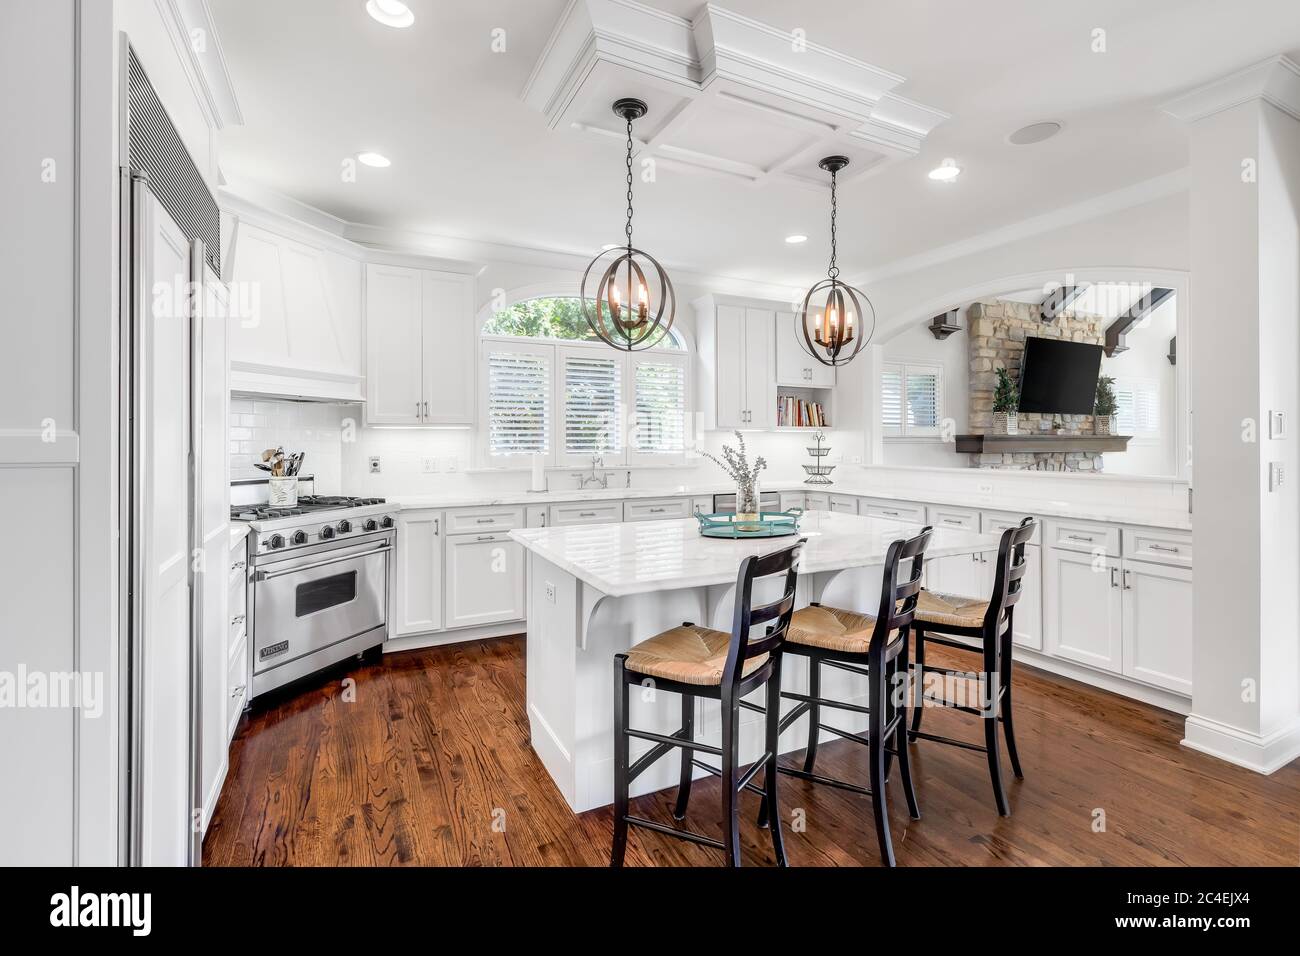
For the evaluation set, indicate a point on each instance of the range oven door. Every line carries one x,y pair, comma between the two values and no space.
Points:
309,602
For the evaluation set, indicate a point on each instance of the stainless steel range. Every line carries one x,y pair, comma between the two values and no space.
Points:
319,591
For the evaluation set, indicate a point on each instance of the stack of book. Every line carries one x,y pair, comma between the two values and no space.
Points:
799,413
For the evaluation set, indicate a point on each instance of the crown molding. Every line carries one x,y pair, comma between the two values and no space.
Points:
1275,80
189,20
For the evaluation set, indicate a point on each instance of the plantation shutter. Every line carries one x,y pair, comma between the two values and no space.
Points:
591,404
891,399
659,400
1137,407
922,400
518,400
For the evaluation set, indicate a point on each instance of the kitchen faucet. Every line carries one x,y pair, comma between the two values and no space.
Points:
602,479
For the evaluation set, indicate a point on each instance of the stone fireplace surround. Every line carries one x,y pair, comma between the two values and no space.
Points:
997,330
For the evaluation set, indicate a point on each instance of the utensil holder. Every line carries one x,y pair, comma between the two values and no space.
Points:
284,492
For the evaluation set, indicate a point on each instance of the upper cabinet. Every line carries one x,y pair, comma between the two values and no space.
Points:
737,350
794,366
420,346
296,328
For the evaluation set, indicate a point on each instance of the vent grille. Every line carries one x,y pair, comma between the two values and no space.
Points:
155,148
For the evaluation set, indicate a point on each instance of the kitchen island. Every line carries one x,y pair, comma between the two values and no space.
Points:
595,590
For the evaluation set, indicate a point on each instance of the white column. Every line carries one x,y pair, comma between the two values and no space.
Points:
1245,241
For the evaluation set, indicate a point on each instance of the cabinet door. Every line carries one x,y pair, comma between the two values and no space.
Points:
844,504
485,579
792,499
760,368
447,306
730,372
1028,615
793,364
1158,624
1082,608
394,345
418,598
960,574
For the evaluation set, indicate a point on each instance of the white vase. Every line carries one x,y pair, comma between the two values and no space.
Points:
1103,424
1006,423
284,492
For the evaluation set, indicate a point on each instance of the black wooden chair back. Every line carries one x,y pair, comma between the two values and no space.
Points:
1008,577
898,595
748,615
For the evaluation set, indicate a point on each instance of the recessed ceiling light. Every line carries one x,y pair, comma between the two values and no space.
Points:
796,239
1034,133
391,13
377,160
946,171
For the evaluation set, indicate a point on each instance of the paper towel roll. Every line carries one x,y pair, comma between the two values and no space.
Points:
539,472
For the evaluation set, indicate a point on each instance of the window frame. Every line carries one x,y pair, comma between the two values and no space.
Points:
903,431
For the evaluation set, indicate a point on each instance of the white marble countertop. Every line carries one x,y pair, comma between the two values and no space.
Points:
1109,512
641,557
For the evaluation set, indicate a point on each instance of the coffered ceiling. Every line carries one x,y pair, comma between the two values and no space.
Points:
485,145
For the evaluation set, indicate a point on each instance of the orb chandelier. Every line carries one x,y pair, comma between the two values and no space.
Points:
632,304
835,315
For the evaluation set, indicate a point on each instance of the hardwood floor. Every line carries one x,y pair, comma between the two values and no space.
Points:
425,760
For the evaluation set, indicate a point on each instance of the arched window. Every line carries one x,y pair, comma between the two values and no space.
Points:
553,317
551,387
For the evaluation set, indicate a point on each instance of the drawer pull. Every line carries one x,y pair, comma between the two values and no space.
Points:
586,514
1112,578
238,691
952,521
484,520
486,537
892,514
239,566
657,511
1161,547
237,620
1086,539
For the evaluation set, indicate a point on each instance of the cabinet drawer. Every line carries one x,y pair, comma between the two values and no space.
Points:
995,522
657,509
1082,537
591,512
1165,547
844,504
236,685
792,499
894,511
944,517
817,501
464,520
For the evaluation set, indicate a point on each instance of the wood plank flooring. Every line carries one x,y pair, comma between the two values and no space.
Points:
425,760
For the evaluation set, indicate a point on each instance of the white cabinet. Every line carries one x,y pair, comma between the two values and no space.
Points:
656,509
297,317
587,512
793,499
1157,602
844,504
1083,608
485,579
417,594
892,510
420,347
737,363
817,501
794,366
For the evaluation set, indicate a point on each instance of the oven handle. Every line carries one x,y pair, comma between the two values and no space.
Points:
265,575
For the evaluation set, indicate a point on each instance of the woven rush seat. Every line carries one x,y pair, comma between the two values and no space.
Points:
689,654
954,610
832,628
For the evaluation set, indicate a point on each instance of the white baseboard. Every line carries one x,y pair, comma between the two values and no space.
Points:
1260,753
413,642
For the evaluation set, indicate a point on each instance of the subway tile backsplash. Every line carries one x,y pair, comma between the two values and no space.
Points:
257,424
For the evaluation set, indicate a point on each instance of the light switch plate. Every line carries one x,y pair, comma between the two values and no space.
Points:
374,465
453,465
1276,425
1275,475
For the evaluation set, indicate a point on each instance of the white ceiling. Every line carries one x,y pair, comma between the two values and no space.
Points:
319,81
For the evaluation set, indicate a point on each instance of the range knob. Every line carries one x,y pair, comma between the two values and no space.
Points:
345,527
385,522
277,541
300,537
371,524
327,532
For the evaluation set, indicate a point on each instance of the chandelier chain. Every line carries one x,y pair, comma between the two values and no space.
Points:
834,270
628,228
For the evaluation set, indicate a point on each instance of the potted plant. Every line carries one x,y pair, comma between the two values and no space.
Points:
1006,405
736,464
1103,409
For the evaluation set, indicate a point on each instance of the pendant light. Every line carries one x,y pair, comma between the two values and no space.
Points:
835,315
632,305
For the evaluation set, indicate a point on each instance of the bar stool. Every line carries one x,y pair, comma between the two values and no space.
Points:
696,661
870,646
989,621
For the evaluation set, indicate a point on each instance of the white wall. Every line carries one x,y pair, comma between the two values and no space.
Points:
1146,358
316,429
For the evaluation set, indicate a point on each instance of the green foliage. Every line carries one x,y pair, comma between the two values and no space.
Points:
559,318
1106,403
1005,396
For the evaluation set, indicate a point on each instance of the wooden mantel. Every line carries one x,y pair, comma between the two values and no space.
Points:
1041,444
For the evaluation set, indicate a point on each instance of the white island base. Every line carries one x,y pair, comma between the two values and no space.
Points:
594,591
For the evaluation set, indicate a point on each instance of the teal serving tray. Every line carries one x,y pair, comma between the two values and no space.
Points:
769,524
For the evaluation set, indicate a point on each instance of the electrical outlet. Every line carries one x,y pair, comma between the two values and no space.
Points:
429,466
550,592
453,465
985,487
1275,475
374,465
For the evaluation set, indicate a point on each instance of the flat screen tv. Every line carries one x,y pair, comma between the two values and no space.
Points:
1059,378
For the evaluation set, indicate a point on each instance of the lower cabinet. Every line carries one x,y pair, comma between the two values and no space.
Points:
1084,608
417,568
485,579
1157,603
971,575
